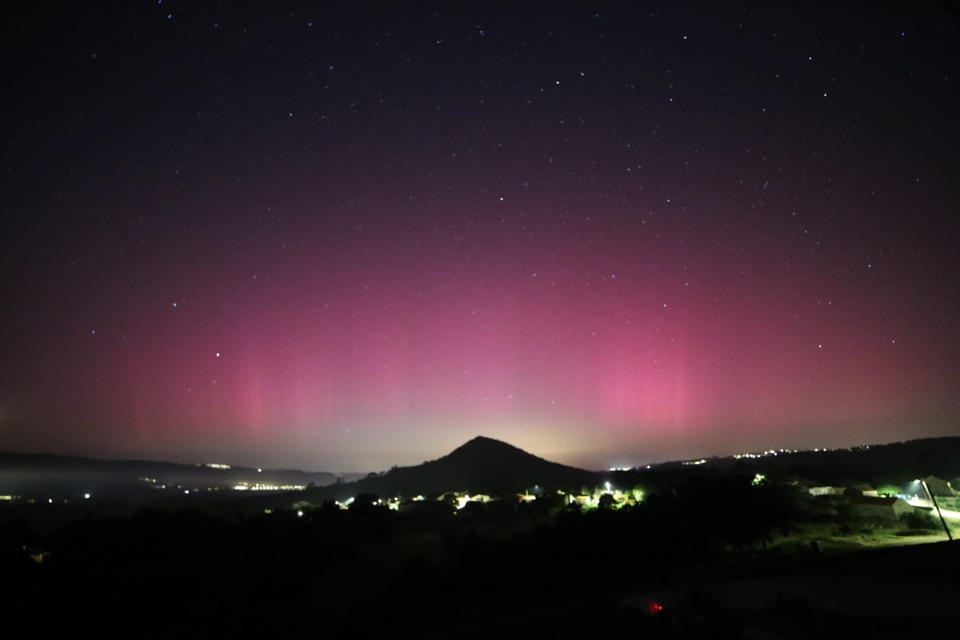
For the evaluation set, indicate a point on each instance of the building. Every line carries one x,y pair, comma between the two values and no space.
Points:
864,489
825,490
939,487
874,508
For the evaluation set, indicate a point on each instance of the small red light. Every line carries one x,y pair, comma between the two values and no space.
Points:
655,607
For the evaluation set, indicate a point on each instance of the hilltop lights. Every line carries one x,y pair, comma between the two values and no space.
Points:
243,486
768,452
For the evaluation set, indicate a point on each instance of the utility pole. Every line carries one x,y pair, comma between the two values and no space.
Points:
937,507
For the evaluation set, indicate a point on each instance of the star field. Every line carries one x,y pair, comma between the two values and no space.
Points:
331,238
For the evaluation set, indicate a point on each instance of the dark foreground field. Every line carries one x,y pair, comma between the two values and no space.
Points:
678,565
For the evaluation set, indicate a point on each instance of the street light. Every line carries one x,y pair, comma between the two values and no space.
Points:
937,507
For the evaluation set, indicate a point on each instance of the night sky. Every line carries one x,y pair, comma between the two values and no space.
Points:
312,236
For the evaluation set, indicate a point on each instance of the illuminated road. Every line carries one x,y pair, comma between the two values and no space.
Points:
948,514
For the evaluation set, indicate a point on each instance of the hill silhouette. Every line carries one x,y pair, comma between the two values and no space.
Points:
894,462
897,462
480,465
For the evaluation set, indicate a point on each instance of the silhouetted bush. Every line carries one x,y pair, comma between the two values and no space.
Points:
917,519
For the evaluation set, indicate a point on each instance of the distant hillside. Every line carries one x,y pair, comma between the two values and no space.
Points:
43,475
480,465
897,462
